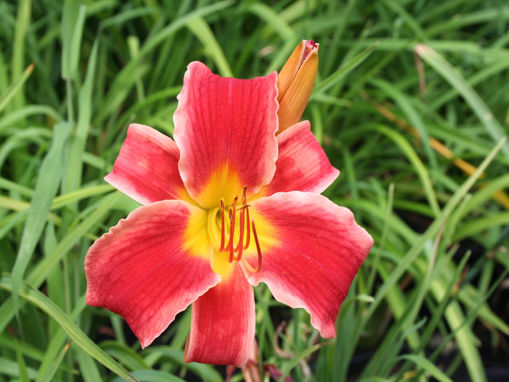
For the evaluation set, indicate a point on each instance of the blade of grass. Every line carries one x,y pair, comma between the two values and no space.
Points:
202,31
70,14
500,196
43,268
10,368
298,357
153,376
81,339
479,107
419,167
22,367
22,24
13,118
45,190
416,249
88,367
15,87
58,340
267,14
77,147
48,377
427,366
206,372
412,115
342,71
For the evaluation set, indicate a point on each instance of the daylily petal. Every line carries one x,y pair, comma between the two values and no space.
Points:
225,130
302,165
147,167
223,323
145,268
314,253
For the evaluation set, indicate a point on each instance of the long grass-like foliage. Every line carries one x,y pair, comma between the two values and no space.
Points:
411,103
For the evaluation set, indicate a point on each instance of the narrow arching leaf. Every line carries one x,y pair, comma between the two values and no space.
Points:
45,190
41,301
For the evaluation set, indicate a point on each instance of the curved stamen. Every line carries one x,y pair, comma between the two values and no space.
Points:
248,227
259,267
232,232
240,244
246,263
231,245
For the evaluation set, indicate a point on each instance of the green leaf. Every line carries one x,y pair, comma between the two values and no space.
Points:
153,376
23,371
88,367
419,167
15,87
202,30
18,46
42,269
77,147
48,377
426,365
275,21
41,301
451,75
296,359
342,71
72,29
45,190
206,372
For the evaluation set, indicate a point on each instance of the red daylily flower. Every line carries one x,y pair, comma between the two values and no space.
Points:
227,205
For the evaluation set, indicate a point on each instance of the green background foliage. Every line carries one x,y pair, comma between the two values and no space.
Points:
396,80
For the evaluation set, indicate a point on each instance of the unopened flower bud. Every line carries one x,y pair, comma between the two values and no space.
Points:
295,83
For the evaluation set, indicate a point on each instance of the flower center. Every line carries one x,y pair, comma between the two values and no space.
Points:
236,230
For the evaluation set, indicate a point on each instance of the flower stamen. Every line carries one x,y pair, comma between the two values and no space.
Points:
258,250
246,228
232,232
231,245
243,209
221,247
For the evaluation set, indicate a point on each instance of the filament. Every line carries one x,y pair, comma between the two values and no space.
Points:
221,247
258,250
240,244
248,227
232,232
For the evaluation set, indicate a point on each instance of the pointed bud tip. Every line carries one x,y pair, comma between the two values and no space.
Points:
310,44
310,47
